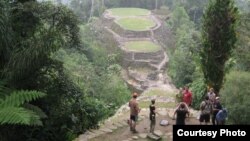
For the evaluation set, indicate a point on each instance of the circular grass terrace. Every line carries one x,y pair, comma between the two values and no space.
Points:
142,46
124,12
136,24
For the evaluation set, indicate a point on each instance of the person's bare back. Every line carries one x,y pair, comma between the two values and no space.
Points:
134,109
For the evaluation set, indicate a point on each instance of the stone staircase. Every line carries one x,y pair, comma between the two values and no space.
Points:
111,126
151,80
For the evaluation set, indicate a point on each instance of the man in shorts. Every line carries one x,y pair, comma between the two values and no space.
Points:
206,108
134,111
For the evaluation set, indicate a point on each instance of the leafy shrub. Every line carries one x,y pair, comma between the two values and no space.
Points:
198,88
235,95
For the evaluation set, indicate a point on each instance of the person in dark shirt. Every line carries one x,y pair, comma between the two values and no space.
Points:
181,112
216,108
221,116
152,109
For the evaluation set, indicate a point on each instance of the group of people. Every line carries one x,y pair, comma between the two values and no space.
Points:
211,106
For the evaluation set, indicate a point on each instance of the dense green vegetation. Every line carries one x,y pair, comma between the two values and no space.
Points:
236,98
124,12
142,46
60,77
189,43
132,23
49,53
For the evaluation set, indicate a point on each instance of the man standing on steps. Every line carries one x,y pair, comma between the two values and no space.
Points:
134,111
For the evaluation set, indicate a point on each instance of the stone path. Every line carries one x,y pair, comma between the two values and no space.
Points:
116,127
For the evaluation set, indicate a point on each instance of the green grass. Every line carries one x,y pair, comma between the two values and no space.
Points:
123,12
142,46
136,24
145,104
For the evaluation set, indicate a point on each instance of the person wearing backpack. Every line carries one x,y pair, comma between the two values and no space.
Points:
221,116
216,108
206,108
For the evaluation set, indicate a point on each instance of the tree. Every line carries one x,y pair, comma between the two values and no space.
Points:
49,27
179,18
5,33
219,37
242,52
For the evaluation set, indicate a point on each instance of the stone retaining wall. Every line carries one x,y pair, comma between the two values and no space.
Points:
129,33
149,55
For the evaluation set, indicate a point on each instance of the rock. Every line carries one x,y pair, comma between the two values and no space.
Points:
134,137
124,123
164,123
83,138
158,133
153,137
112,127
129,139
98,132
143,135
118,124
106,130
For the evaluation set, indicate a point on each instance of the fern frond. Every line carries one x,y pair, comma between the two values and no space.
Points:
35,109
20,116
20,97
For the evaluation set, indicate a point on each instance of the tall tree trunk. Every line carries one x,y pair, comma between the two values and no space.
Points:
103,4
91,10
156,4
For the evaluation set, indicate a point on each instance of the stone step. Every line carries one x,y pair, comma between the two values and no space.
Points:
153,137
107,130
135,137
112,127
143,135
82,138
118,124
98,132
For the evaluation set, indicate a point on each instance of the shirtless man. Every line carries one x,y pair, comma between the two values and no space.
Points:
134,111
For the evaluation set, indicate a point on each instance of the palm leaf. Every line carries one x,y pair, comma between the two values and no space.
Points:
18,115
20,97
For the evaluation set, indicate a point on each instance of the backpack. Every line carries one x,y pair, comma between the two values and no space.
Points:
206,108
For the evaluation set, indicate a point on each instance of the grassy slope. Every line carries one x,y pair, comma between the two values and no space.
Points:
142,46
136,24
123,12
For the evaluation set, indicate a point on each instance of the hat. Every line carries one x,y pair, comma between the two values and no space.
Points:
217,98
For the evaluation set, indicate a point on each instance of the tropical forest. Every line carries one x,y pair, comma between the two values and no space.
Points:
121,70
